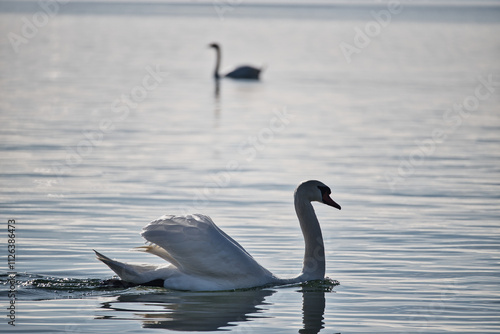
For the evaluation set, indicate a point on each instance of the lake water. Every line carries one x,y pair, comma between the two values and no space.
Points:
110,119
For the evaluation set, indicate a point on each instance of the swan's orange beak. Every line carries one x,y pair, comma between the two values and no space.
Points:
329,201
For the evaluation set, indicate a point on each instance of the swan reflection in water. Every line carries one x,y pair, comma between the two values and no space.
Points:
210,311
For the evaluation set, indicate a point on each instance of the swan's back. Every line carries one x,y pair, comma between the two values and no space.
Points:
245,72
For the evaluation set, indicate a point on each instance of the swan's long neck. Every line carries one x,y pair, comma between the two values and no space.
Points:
314,257
217,63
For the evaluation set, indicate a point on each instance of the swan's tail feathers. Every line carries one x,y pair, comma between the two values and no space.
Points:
102,257
133,273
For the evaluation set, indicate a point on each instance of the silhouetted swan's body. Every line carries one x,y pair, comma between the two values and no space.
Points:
203,258
242,72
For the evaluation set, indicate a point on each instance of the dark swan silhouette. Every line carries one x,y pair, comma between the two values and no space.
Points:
241,72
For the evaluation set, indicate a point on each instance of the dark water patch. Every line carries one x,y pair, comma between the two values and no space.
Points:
40,287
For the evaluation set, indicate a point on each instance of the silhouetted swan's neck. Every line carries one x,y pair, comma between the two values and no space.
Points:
217,61
314,256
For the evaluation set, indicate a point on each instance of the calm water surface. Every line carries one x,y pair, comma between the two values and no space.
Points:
110,118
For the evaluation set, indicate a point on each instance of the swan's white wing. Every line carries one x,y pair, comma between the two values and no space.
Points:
198,247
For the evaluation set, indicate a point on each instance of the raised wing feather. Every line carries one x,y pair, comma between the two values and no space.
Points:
198,247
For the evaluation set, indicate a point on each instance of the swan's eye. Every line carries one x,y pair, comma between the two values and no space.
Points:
324,190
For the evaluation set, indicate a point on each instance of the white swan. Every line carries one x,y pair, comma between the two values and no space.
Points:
203,258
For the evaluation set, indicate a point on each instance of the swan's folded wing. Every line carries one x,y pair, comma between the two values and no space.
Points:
200,248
